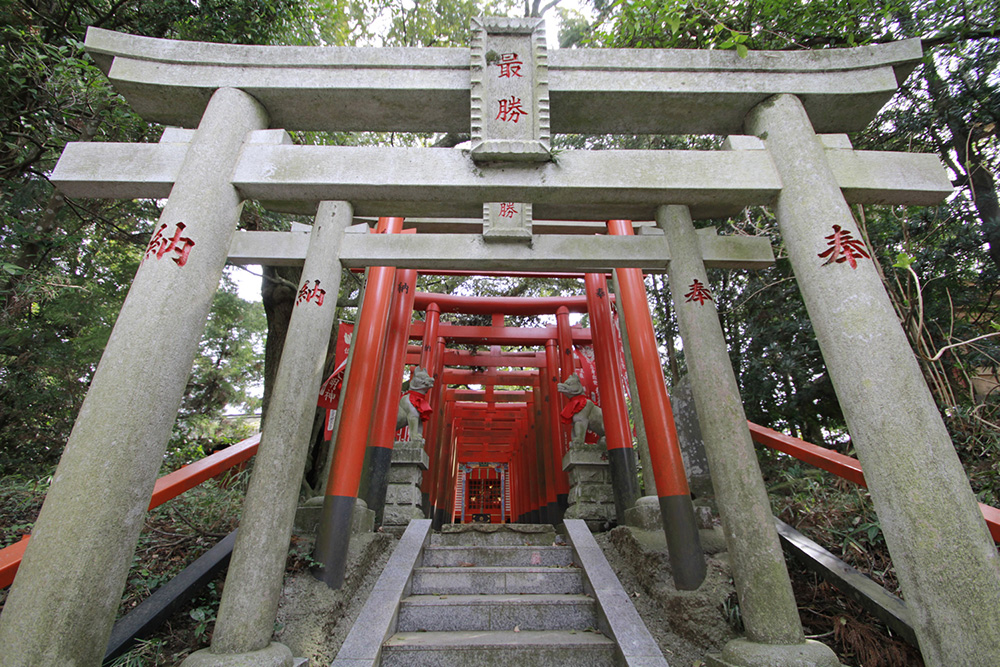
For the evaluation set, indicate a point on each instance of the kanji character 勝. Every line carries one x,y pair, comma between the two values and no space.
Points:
507,210
511,110
843,248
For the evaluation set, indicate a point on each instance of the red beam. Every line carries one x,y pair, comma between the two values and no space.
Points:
167,488
535,336
506,305
841,465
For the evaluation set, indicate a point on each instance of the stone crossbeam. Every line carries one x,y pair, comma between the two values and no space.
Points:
428,89
434,182
468,252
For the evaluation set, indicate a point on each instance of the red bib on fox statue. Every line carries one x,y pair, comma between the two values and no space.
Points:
419,401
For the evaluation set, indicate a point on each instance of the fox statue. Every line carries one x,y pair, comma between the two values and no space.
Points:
414,409
582,412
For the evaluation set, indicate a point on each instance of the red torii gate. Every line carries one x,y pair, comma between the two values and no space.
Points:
535,443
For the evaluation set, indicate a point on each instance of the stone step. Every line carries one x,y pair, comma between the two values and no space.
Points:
496,580
487,649
445,613
489,556
506,534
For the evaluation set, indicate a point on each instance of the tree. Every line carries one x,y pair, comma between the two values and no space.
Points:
65,264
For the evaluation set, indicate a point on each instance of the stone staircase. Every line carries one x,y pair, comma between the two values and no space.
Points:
498,595
474,602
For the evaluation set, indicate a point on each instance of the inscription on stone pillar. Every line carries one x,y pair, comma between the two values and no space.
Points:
510,90
507,221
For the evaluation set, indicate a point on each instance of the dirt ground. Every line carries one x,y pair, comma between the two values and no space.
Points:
314,621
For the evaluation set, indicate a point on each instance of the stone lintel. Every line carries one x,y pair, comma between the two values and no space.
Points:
428,89
434,182
468,252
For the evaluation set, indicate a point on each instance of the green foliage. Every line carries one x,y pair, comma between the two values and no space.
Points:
65,265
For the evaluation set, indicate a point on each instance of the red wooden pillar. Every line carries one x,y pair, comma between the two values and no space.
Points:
621,456
530,464
549,377
428,346
567,366
389,389
435,425
539,462
345,472
679,524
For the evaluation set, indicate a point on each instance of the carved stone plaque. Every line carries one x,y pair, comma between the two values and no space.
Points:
510,90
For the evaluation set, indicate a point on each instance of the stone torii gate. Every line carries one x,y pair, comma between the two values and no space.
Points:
778,110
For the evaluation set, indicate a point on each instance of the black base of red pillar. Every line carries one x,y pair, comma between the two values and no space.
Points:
683,544
379,462
624,480
333,540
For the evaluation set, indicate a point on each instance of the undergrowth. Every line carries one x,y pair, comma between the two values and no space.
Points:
839,516
174,535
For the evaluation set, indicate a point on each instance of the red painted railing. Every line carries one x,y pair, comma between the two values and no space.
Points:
167,488
841,465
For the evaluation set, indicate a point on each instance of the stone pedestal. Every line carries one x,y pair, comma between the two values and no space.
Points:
308,515
591,497
402,497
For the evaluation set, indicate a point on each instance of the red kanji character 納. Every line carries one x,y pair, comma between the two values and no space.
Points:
159,245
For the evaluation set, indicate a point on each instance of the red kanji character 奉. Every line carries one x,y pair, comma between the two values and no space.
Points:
511,110
507,210
843,248
159,245
698,293
510,66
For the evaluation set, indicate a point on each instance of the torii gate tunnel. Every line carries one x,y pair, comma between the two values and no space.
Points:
509,204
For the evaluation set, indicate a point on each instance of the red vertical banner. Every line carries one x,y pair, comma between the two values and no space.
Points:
329,391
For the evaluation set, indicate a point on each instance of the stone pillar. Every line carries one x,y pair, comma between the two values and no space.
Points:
941,549
256,572
689,437
63,602
770,615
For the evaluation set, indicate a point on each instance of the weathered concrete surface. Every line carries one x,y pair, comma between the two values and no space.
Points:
428,89
925,506
272,655
743,653
250,598
618,619
434,182
650,250
689,436
63,602
768,606
363,645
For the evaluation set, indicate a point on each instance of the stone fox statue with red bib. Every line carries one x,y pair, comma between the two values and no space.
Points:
582,412
414,408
